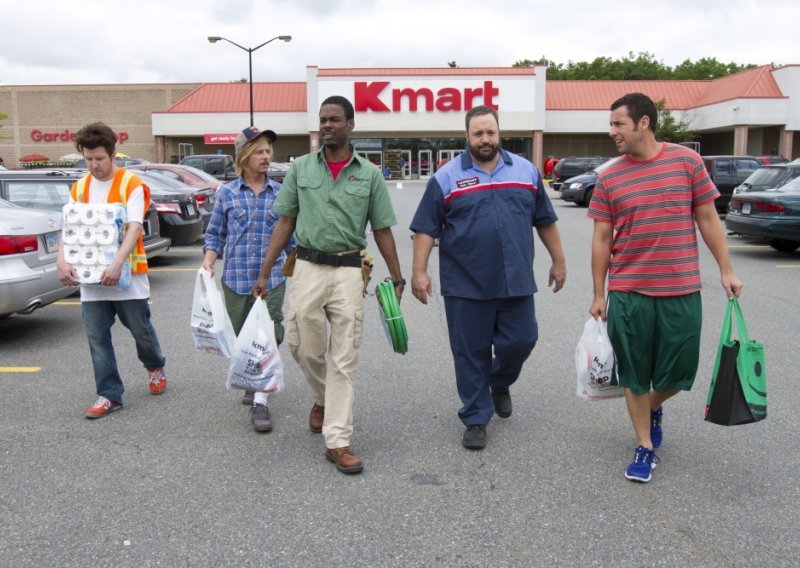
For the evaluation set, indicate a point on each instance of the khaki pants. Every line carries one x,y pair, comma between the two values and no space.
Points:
319,296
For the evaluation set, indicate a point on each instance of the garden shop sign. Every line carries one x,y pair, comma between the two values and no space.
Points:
65,136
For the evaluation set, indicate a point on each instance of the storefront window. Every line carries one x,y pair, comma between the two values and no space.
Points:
408,158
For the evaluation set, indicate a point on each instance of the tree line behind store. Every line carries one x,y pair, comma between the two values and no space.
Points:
641,67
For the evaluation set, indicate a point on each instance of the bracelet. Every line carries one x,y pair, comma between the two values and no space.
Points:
401,282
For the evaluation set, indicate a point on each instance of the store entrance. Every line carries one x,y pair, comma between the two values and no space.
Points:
425,164
406,164
374,156
419,158
447,155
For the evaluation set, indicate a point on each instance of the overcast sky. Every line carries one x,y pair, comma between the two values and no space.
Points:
157,41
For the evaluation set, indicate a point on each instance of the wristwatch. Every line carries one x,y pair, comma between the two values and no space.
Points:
401,282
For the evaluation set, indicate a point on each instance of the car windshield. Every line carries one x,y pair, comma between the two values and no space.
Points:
161,181
764,178
792,187
119,162
604,165
201,174
50,194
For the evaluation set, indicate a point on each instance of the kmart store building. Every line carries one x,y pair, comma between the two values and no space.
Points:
415,114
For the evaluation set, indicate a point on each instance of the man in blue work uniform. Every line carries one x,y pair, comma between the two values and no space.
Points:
482,206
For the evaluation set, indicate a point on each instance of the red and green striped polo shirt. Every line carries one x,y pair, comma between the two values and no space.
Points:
651,204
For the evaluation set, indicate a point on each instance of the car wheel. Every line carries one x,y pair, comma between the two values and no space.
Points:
587,197
783,245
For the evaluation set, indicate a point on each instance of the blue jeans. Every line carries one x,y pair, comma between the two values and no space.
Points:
98,317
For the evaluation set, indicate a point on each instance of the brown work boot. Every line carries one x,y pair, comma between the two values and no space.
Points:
344,458
316,417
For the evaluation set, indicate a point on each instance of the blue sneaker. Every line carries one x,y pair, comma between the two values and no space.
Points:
656,434
644,462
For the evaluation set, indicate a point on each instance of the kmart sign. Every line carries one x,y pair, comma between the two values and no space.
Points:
378,96
424,105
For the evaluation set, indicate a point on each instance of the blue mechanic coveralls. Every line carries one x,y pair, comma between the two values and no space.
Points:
484,225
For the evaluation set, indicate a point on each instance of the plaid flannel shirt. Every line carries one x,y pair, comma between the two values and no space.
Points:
241,226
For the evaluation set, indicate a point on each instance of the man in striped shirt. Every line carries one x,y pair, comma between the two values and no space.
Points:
645,207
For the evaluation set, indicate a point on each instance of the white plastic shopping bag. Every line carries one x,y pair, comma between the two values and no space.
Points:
211,326
256,363
594,363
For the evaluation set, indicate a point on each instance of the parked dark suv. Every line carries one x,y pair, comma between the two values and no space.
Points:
727,172
573,166
49,189
218,165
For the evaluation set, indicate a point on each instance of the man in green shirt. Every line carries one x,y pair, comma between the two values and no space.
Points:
326,200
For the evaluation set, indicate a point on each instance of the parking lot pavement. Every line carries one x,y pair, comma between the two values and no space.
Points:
182,480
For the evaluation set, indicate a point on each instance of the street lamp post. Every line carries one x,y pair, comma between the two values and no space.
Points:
249,50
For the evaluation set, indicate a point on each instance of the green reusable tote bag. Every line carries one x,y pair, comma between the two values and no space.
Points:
738,391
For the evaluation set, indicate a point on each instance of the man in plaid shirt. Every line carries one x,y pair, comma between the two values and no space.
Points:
239,232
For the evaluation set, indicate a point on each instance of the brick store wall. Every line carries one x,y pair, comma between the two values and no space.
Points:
41,119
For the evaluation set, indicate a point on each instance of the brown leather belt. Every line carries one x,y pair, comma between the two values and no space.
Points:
342,259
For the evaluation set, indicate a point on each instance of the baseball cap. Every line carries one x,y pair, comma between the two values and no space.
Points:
251,133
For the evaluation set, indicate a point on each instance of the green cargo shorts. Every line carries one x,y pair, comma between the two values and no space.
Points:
656,340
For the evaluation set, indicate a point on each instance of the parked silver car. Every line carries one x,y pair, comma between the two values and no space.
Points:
49,189
29,244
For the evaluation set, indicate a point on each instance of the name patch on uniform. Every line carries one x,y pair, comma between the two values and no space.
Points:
462,183
354,178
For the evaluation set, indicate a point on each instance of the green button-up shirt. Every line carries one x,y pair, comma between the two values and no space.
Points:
332,215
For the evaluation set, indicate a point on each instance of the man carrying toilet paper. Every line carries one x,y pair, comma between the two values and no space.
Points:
103,303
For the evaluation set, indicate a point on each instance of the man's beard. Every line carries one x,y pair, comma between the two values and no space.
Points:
478,156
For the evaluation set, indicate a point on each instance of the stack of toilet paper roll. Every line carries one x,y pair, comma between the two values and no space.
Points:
91,237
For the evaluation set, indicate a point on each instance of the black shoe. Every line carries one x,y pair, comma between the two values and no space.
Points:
247,399
261,418
502,403
474,437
